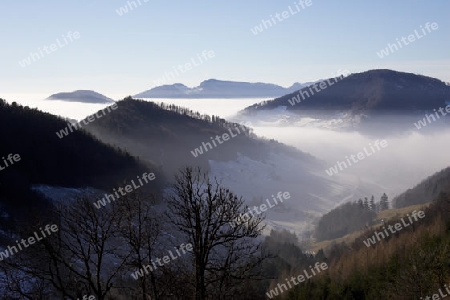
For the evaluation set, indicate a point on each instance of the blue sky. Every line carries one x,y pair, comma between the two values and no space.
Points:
123,55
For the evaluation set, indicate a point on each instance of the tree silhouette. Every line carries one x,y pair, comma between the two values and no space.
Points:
384,202
372,204
366,203
223,254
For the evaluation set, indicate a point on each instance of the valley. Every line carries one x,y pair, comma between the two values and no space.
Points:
229,150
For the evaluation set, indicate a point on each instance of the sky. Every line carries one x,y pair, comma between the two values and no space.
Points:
119,55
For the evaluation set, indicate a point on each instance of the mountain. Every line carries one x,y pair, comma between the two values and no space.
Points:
368,92
78,160
166,91
426,191
84,96
255,168
213,88
167,135
358,97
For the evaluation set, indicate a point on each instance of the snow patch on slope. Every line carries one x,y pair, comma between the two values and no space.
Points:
63,194
311,193
280,116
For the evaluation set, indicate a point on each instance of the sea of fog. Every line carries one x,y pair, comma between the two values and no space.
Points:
406,160
224,108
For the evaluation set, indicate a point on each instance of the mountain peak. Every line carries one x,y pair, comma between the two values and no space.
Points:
84,96
370,91
214,88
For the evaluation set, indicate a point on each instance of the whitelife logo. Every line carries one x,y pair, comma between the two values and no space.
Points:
274,292
11,158
397,226
439,296
360,156
65,132
422,123
263,207
166,259
86,297
184,68
124,9
52,48
197,151
280,17
323,85
411,38
31,240
128,189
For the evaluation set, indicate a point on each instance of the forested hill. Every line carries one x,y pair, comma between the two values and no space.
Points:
368,92
78,159
410,262
84,96
426,191
167,135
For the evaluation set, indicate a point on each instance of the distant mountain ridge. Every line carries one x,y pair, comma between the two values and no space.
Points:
84,96
366,101
214,88
367,92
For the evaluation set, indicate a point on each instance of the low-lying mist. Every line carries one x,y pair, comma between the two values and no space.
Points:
405,161
410,156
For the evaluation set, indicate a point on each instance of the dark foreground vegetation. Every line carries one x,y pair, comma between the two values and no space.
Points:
99,251
410,264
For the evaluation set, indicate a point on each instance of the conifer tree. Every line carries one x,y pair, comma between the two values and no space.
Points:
372,204
384,202
360,202
366,203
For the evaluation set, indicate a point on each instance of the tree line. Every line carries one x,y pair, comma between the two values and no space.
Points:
411,264
350,217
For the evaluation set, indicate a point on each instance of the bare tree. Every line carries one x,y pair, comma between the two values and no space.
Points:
141,227
225,252
85,257
90,246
